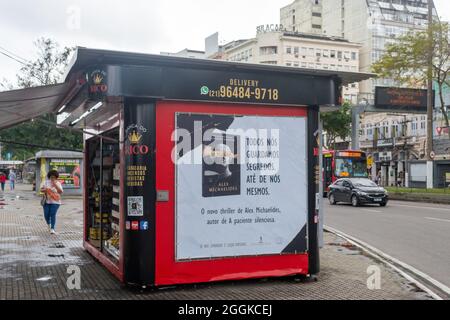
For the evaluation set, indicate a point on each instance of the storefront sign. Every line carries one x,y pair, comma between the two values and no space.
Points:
385,142
233,202
265,28
139,190
240,87
97,81
401,97
69,172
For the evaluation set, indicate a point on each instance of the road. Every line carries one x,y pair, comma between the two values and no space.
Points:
415,233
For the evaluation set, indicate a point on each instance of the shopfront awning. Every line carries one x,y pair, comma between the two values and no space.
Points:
22,105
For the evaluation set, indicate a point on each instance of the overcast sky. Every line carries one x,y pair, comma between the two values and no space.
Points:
148,26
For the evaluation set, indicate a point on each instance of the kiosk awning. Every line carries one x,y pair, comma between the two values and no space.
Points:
18,106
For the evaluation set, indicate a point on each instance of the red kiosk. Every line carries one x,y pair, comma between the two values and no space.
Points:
199,170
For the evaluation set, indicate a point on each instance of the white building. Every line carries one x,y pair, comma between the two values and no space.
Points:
393,140
186,53
299,50
375,24
303,16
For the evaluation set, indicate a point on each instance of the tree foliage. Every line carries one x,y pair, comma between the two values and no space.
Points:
337,124
406,60
47,69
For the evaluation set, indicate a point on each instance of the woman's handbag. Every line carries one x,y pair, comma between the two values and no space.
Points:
44,199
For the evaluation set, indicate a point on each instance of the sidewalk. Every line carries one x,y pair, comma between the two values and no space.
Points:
33,265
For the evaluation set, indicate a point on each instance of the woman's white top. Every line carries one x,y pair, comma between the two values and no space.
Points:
48,185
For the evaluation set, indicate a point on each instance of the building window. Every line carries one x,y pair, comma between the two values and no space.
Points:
318,53
268,50
269,62
304,65
288,63
296,49
289,50
354,56
333,54
339,54
311,52
326,53
316,26
316,14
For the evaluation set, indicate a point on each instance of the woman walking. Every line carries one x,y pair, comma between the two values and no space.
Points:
2,181
52,190
12,180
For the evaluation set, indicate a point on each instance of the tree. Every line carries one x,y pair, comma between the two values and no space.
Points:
406,60
47,69
337,124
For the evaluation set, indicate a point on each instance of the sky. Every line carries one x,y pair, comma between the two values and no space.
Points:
149,26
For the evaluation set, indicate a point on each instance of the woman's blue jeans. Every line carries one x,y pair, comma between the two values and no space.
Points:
50,211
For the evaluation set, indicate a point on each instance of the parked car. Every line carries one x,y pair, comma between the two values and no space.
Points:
357,192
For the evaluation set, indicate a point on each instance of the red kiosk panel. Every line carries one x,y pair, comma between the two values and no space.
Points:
170,268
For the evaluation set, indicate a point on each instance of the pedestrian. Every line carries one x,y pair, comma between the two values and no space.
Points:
12,180
400,179
2,181
379,178
52,190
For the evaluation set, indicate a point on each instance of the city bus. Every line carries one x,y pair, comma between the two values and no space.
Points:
343,164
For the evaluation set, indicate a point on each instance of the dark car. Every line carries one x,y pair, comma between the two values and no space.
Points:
357,192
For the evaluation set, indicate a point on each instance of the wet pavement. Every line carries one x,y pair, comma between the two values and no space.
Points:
34,265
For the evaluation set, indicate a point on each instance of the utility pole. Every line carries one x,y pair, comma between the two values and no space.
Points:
430,98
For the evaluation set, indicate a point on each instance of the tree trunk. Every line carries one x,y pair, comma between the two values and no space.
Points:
441,97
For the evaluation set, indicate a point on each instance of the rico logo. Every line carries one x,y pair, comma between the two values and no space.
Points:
136,149
97,82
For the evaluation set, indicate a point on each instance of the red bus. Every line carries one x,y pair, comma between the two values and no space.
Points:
343,164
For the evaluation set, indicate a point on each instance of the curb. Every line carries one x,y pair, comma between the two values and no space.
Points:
424,198
400,267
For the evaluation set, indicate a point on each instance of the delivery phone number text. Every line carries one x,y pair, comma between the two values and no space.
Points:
246,93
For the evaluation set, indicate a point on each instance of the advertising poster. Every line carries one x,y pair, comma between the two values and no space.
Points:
69,172
241,186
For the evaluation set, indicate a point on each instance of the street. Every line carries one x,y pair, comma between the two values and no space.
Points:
34,265
415,233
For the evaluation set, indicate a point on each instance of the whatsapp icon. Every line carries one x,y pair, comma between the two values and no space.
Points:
204,90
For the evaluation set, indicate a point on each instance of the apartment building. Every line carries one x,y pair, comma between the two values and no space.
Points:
394,140
303,16
300,50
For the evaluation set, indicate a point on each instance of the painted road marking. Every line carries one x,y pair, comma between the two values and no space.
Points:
372,211
436,219
392,262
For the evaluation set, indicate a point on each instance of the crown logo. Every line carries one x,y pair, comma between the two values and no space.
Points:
134,137
98,79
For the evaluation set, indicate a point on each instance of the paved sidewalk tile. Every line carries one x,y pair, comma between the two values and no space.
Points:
33,265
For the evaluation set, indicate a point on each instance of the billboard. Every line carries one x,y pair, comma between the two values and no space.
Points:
241,186
388,97
69,172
